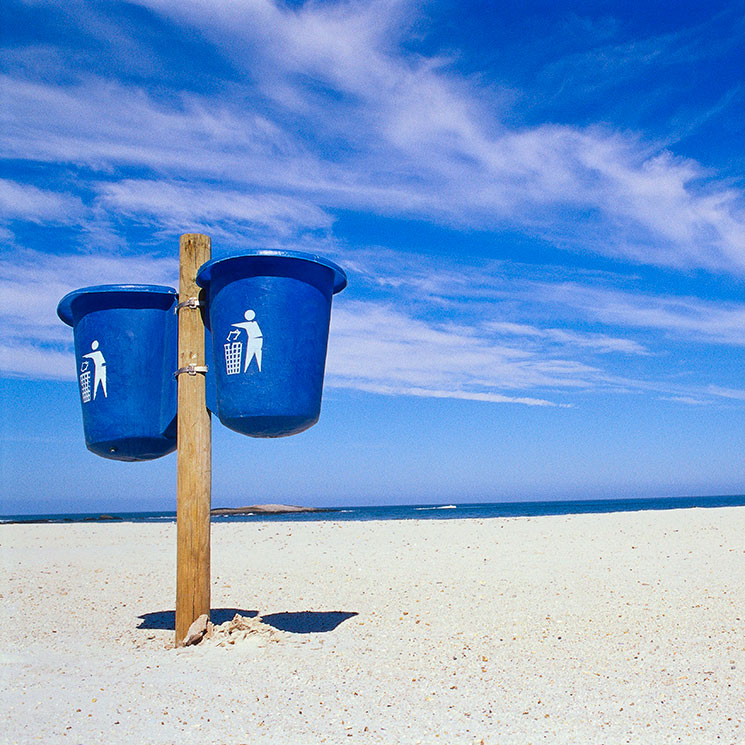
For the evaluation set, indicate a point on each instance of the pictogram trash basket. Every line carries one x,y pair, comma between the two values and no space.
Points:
126,340
268,312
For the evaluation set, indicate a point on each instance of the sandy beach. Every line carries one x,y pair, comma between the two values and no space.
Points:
614,628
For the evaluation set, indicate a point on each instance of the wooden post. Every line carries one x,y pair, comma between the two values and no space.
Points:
194,448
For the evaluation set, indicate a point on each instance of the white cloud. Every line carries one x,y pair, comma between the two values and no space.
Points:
25,202
100,123
736,394
436,344
514,292
329,110
462,328
461,165
35,341
377,348
387,389
21,359
686,318
181,207
688,400
348,119
600,343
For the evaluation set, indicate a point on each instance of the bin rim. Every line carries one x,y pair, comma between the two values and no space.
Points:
64,308
204,275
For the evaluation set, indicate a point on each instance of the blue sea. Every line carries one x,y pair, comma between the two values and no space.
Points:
473,510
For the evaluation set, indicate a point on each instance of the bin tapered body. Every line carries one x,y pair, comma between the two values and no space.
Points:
194,448
269,314
125,350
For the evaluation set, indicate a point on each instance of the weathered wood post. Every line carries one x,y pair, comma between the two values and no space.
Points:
194,455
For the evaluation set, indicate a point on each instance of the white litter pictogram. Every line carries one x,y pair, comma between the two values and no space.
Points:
99,374
234,347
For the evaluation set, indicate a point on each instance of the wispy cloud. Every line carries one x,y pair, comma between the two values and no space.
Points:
323,108
35,342
483,345
736,394
601,343
688,400
182,207
607,60
103,123
483,327
685,318
376,348
25,202
347,118
483,289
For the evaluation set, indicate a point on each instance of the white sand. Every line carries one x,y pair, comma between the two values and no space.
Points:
584,629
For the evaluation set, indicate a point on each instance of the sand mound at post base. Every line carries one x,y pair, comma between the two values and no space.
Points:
239,629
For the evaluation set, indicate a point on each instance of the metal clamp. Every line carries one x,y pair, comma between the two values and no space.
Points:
192,302
191,370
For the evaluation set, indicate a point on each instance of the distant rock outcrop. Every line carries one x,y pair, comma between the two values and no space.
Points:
263,509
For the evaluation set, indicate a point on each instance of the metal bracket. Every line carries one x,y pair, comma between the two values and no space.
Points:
191,370
192,302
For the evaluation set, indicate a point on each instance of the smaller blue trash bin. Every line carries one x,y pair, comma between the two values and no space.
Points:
126,339
268,312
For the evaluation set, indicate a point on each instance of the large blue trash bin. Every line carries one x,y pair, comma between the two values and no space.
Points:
269,312
126,339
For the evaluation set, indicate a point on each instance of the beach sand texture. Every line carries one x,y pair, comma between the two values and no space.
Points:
613,628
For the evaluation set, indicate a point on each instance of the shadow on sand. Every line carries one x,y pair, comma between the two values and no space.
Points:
296,622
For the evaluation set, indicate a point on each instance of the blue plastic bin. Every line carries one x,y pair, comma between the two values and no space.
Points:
126,340
269,312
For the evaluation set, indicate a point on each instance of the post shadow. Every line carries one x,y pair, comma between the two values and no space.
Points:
166,619
308,621
294,622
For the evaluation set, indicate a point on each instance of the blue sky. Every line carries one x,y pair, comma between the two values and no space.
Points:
540,207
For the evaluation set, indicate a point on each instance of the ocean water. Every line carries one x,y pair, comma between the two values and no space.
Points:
471,510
